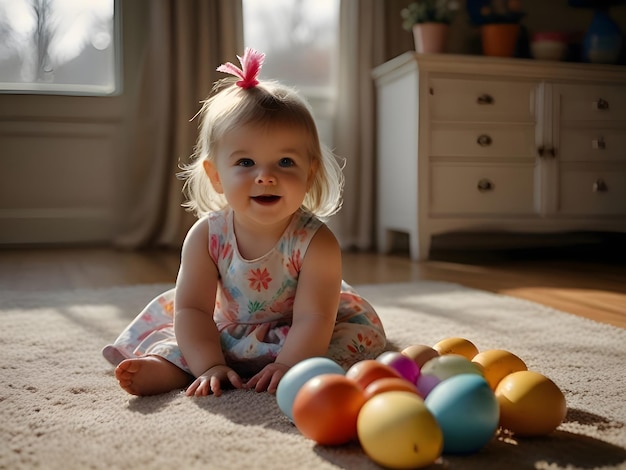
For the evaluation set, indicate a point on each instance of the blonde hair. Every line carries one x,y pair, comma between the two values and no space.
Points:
270,102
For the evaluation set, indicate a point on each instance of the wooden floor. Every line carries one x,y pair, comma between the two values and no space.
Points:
593,286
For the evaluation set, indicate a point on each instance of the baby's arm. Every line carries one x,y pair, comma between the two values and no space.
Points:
314,311
196,332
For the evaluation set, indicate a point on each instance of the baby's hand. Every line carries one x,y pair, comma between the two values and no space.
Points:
268,378
211,381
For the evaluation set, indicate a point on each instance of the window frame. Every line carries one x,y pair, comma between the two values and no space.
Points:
64,89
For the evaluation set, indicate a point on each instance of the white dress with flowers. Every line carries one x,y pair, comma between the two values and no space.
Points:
254,306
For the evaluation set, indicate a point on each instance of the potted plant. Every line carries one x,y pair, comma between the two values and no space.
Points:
499,22
429,20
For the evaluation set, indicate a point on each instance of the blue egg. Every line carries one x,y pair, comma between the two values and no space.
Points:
467,412
298,375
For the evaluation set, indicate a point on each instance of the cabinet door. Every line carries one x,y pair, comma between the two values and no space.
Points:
592,103
456,99
592,144
593,192
482,140
482,189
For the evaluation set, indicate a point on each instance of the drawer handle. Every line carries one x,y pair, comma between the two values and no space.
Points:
485,99
484,140
485,185
598,144
544,151
600,186
601,104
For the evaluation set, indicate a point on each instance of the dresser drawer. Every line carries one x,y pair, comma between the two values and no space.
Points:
480,189
592,145
589,192
592,103
454,99
482,140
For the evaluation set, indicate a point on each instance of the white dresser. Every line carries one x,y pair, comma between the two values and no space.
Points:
485,144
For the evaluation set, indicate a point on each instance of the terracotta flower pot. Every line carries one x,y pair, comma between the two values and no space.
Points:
500,39
430,38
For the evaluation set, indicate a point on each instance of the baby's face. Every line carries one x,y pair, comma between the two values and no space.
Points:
263,171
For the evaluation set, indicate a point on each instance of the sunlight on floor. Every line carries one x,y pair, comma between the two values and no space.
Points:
611,306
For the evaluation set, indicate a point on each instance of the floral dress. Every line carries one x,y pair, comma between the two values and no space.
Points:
254,306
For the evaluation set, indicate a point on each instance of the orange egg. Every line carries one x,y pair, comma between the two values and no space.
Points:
460,346
388,384
366,371
497,364
326,409
420,353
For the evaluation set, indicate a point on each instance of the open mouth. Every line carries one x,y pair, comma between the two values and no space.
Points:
266,198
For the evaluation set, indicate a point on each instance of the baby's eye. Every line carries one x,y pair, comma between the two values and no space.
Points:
286,162
245,162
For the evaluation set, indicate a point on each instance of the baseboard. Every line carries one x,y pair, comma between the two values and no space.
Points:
55,226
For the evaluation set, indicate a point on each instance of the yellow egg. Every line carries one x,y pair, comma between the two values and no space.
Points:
497,364
530,403
460,346
396,430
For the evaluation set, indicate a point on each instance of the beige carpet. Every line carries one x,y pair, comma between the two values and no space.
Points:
61,408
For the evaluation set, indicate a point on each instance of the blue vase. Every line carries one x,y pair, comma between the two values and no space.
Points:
603,40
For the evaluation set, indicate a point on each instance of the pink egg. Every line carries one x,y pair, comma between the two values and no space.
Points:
405,366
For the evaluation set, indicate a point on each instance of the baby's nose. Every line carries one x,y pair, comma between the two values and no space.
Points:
265,178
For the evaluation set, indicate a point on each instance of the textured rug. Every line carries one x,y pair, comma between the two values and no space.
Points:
60,406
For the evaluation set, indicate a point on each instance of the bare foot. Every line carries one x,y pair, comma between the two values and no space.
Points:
150,375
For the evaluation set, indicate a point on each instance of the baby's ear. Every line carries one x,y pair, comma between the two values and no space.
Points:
211,172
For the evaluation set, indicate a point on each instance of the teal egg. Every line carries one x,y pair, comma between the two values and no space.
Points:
467,412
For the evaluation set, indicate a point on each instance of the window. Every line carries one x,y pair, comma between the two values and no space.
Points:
58,47
299,38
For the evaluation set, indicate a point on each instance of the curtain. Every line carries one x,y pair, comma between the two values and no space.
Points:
187,40
370,33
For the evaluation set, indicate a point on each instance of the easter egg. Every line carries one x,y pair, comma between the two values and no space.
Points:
326,409
467,412
497,364
296,377
530,403
425,384
449,365
388,384
396,430
403,365
461,346
420,353
366,371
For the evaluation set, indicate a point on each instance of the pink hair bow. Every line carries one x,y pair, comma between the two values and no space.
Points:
251,66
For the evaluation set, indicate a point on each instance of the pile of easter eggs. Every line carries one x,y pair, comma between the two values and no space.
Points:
407,408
